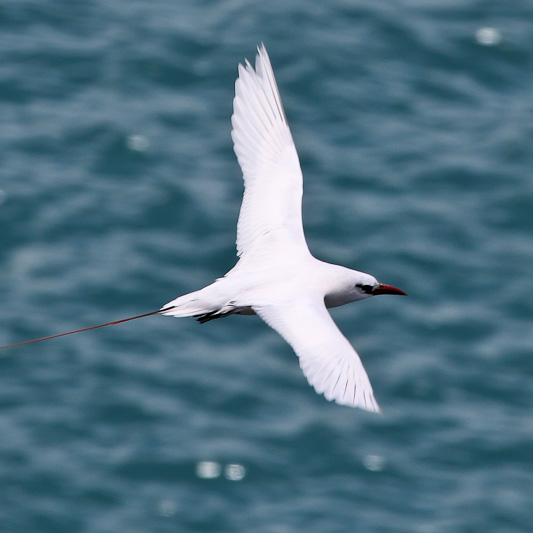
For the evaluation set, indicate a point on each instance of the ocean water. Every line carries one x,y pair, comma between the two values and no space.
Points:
119,191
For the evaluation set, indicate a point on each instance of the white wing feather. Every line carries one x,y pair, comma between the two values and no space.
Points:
272,202
327,359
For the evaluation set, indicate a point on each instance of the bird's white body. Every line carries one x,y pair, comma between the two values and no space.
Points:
276,276
250,285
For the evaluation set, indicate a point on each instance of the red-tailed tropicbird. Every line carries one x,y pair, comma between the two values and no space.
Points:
276,277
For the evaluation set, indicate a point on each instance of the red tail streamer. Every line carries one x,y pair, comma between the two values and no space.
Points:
82,329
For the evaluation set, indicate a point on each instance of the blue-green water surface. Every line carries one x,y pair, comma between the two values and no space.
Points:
119,191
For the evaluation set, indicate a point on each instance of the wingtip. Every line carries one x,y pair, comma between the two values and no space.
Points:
370,408
262,56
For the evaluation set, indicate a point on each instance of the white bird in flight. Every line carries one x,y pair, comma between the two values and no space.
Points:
276,277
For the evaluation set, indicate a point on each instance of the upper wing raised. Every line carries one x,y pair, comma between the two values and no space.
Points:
327,359
272,202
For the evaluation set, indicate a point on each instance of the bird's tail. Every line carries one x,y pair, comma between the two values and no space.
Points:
193,304
204,302
113,323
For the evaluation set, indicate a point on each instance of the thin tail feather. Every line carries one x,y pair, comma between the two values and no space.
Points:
114,323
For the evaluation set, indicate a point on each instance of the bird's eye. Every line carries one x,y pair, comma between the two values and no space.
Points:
367,289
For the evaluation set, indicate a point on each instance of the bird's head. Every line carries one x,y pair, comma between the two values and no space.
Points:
370,286
352,285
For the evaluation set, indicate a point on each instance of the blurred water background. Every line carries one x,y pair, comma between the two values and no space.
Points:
119,191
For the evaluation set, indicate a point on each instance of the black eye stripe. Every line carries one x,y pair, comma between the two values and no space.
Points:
367,289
